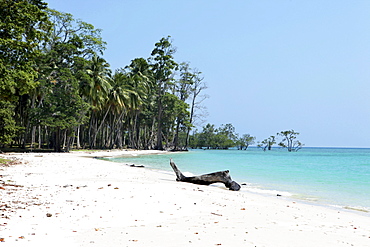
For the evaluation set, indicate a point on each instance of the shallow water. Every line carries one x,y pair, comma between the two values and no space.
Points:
331,176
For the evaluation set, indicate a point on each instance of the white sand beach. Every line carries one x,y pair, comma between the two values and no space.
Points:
72,199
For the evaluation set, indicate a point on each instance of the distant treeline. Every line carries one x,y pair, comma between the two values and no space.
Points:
225,137
57,92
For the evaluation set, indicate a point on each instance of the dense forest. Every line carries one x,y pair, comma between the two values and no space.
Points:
58,92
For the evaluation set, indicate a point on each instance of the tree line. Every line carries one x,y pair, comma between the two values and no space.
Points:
225,137
58,92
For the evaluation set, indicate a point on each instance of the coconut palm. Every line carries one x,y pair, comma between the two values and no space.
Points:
97,91
99,87
141,81
124,98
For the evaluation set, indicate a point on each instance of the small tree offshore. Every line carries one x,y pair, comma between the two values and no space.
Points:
289,140
267,143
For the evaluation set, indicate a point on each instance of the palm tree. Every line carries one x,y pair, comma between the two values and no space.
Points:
97,93
128,93
100,84
141,81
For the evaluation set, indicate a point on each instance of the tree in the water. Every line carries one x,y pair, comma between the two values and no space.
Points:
267,143
244,141
290,141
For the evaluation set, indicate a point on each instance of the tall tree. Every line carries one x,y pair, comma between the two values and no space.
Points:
60,105
22,28
97,93
197,87
126,97
141,115
183,89
163,66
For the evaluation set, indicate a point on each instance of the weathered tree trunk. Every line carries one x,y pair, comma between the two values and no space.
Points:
207,179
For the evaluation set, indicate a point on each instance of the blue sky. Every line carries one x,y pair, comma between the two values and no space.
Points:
269,65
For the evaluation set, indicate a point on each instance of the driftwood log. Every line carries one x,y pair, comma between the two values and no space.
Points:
207,179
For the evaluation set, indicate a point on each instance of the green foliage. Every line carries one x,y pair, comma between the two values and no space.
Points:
8,128
174,108
4,161
207,136
57,89
62,105
162,61
267,143
212,138
163,66
141,82
290,141
244,141
99,86
72,34
22,27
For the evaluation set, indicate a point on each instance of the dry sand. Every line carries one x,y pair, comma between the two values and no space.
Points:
72,199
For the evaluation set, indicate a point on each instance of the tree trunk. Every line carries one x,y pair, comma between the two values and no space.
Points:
159,145
78,145
64,139
93,144
57,147
39,135
191,120
33,136
152,134
176,138
207,179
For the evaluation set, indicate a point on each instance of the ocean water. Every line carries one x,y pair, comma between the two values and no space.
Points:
330,176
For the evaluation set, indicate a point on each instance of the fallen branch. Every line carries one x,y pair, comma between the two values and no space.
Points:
207,179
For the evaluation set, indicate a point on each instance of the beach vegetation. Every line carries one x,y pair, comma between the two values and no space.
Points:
8,127
211,137
4,161
58,92
22,29
163,67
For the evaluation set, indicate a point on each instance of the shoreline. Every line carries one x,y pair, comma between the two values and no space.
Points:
92,204
306,200
269,192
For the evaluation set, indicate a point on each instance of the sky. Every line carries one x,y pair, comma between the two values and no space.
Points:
269,65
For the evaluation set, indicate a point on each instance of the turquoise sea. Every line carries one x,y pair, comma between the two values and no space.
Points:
329,176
